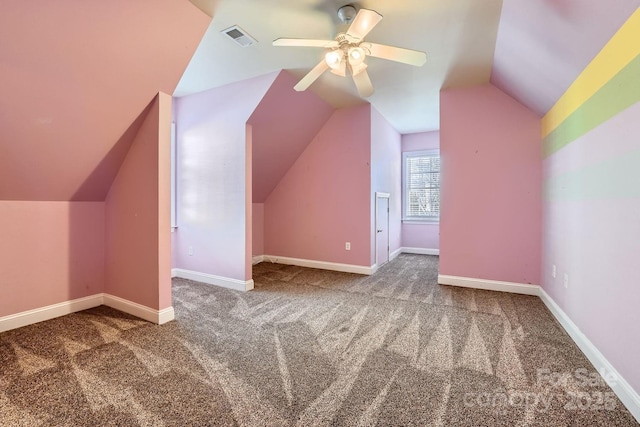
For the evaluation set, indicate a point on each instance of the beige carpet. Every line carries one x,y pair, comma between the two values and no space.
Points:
309,347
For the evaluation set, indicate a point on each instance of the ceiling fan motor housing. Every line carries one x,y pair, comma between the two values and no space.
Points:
347,13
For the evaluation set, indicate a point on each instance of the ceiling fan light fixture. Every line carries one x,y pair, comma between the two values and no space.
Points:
334,58
341,70
356,56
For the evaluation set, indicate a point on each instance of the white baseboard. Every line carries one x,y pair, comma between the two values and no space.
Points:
420,251
627,395
224,282
173,273
489,285
49,312
333,266
41,314
158,317
374,268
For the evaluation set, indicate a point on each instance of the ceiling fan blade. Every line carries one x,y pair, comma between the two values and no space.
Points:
311,76
398,54
364,22
363,84
305,43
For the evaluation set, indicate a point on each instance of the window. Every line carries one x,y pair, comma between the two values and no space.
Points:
421,197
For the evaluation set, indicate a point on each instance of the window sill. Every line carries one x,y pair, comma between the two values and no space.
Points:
421,221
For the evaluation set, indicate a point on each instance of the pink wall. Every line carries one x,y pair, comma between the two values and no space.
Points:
424,235
138,257
386,177
50,252
324,199
214,179
258,229
490,224
592,233
74,77
284,123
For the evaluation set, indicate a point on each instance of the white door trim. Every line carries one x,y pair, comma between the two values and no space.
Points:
381,195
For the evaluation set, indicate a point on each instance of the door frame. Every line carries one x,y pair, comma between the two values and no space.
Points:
381,195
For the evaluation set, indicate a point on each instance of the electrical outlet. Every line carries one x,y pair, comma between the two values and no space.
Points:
190,250
553,271
347,246
566,280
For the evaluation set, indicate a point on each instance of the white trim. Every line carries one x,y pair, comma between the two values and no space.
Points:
174,273
374,268
166,315
395,254
420,251
211,279
333,266
158,317
627,395
257,259
49,312
489,285
381,195
424,221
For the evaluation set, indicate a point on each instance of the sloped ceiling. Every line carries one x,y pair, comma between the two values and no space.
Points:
76,75
283,124
458,35
543,45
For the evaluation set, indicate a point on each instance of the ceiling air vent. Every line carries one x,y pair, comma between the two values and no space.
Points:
239,36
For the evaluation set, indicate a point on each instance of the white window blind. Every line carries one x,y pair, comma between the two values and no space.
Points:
422,185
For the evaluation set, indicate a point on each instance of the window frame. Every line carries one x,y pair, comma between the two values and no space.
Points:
406,155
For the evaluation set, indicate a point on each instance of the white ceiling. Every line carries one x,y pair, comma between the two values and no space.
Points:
459,37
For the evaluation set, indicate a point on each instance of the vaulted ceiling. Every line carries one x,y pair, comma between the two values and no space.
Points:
531,49
76,75
542,46
458,35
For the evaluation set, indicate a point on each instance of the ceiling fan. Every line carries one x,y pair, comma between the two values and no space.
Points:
349,50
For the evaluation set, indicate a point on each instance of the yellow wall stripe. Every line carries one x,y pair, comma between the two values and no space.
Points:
623,47
618,94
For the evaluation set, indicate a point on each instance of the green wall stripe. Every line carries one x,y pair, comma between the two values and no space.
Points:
615,178
618,94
